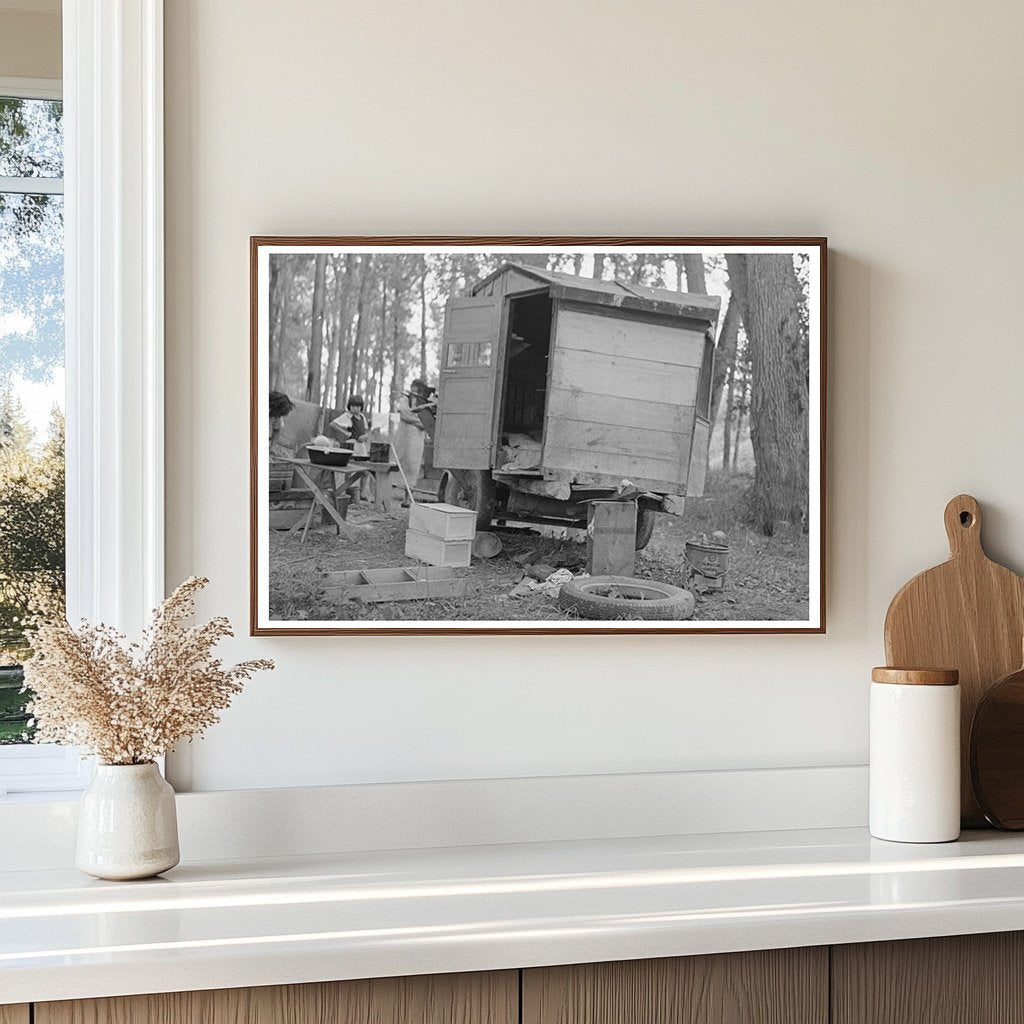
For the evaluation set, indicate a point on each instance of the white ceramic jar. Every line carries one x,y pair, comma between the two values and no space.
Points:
915,755
127,823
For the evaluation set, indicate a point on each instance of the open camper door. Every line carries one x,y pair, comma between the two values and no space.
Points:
468,388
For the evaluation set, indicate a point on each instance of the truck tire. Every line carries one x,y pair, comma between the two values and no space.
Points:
479,495
648,599
644,526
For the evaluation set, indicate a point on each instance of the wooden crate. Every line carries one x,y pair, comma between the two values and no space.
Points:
446,522
435,551
411,583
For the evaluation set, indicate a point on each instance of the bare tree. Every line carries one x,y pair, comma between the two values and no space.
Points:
359,331
693,263
725,355
316,338
282,281
423,317
768,292
730,388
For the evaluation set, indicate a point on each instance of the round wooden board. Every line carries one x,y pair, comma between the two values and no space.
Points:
997,752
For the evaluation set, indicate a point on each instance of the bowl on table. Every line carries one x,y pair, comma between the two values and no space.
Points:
323,455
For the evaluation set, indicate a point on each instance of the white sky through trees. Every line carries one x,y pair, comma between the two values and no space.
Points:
32,262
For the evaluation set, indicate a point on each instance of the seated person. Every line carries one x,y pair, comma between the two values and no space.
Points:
354,425
280,406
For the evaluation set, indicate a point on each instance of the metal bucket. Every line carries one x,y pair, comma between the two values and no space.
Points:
709,561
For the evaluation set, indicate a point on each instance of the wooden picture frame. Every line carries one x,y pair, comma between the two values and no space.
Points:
531,299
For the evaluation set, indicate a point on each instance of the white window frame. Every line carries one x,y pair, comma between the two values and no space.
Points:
114,347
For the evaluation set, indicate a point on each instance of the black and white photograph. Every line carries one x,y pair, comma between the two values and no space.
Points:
537,435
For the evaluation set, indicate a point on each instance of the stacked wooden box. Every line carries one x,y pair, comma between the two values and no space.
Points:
441,534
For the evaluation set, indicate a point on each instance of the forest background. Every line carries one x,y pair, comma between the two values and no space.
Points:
365,323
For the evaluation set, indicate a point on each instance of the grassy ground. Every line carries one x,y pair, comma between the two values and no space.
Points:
767,577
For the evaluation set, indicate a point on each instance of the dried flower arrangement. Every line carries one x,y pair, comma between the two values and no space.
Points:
130,703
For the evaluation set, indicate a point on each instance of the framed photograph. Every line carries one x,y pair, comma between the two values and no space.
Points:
537,435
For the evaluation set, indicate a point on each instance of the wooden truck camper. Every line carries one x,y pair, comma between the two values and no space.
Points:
554,389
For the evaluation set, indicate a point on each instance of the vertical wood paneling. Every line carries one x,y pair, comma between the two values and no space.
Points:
962,979
14,1014
482,998
782,986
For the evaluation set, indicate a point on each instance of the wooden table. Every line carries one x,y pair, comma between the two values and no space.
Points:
353,471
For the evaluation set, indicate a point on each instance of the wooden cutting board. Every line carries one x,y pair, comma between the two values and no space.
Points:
967,614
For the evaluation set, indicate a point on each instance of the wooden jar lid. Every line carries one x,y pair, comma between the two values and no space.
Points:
916,676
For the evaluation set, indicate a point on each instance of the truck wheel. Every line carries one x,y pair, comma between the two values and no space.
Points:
625,597
475,491
644,526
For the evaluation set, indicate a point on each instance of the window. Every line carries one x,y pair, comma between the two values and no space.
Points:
112,209
32,532
468,353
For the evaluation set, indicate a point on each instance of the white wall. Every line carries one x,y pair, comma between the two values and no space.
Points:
895,129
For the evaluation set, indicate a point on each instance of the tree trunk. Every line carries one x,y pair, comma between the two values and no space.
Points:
741,417
769,296
316,334
333,328
725,355
360,328
730,387
396,352
282,280
423,320
693,262
276,319
599,258
343,298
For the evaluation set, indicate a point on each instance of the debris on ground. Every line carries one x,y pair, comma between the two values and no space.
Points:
568,554
550,586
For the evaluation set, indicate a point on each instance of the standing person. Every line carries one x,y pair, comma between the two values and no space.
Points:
410,437
354,425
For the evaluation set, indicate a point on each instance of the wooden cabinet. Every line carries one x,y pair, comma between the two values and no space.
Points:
778,986
962,979
491,998
967,979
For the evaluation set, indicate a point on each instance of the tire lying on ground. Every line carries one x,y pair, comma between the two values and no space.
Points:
625,597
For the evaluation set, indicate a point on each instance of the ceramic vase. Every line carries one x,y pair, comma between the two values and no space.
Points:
127,825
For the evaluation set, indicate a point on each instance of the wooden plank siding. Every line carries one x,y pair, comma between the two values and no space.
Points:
698,459
464,433
621,398
511,282
630,338
587,408
14,1014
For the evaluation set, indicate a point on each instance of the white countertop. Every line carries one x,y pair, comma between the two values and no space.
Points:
226,924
